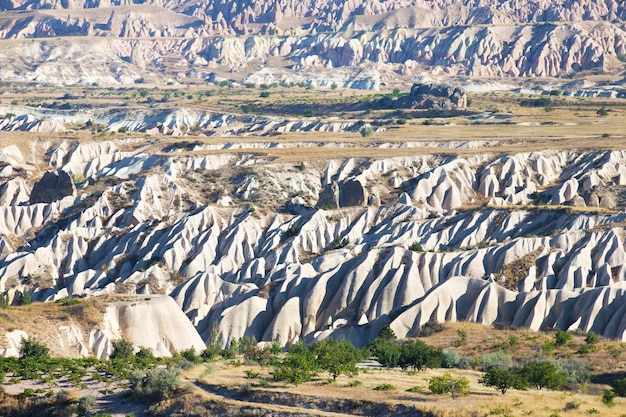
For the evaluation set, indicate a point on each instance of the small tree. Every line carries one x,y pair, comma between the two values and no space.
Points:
337,357
502,380
367,131
419,355
447,383
122,349
298,366
387,352
387,334
333,86
543,374
31,349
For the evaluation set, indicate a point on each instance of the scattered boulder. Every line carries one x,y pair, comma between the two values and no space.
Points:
51,187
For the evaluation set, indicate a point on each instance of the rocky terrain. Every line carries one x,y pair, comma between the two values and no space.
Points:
246,244
304,216
356,44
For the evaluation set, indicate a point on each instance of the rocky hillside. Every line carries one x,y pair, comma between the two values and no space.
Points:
374,42
285,252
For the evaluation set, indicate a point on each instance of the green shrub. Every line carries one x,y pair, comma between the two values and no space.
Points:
298,366
67,301
619,386
419,355
462,340
562,338
499,360
190,355
264,94
608,398
367,131
416,247
122,349
591,338
85,404
385,387
387,352
430,328
154,385
31,349
602,112
337,357
354,383
449,384
542,102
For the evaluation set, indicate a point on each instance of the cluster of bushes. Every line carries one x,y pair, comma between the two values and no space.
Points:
302,363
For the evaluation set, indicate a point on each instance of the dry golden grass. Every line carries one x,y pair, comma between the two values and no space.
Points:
482,401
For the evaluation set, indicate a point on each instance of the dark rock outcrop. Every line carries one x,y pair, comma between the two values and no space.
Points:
51,187
345,194
438,97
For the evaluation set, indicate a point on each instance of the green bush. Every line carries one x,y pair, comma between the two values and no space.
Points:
154,385
122,349
619,386
602,112
502,380
416,247
298,366
337,357
543,102
367,131
562,338
31,349
499,360
449,384
385,387
419,355
591,338
387,352
430,328
543,374
608,398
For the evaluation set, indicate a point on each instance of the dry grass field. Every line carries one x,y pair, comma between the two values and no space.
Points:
227,383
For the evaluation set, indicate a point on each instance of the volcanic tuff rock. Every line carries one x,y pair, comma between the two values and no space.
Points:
498,243
373,41
51,187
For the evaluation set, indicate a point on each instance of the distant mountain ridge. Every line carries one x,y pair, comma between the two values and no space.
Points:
390,39
245,16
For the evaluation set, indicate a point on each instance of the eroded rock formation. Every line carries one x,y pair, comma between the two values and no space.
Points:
513,254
